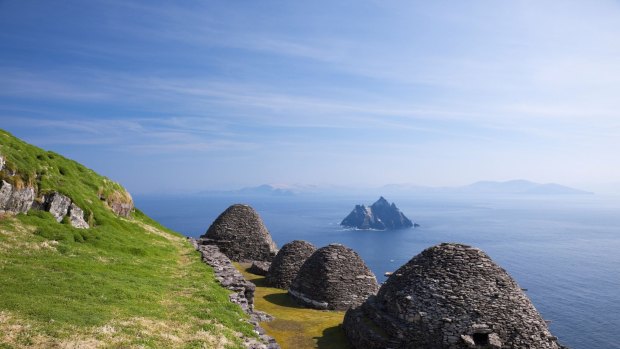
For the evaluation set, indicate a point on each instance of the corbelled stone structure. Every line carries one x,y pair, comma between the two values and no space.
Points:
381,215
287,263
240,234
449,296
334,277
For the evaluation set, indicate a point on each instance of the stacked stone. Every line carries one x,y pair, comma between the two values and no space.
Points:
240,234
449,296
228,276
243,293
334,277
287,263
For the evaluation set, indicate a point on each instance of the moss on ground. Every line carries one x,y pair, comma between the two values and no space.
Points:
296,327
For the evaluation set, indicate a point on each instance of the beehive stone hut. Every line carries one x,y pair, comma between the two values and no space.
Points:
334,277
240,234
449,296
287,263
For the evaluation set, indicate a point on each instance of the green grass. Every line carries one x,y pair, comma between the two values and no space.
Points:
126,282
296,327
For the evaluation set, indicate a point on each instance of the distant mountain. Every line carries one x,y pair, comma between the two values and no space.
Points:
513,187
264,190
381,215
521,187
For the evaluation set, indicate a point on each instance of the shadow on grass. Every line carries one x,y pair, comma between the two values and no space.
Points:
283,300
333,338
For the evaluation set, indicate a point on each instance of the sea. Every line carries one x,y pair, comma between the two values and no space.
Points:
563,250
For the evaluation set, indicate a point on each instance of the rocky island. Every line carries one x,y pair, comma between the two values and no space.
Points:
381,216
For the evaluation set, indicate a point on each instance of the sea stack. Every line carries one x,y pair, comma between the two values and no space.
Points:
241,235
287,263
334,277
450,296
380,216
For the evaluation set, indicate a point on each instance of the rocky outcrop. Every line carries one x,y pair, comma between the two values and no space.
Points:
57,204
334,277
60,205
243,292
14,200
76,217
240,234
122,209
2,162
287,263
259,268
380,215
449,296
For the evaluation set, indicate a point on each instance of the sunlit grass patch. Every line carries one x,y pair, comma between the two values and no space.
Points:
296,327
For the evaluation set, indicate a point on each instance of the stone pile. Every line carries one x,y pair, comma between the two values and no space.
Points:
334,277
243,293
449,296
240,234
287,263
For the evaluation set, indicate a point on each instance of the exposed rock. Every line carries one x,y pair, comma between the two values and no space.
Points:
228,276
334,277
122,209
449,296
5,194
57,204
76,217
287,263
259,268
2,162
15,200
240,234
380,215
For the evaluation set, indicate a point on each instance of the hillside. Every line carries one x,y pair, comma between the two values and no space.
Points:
119,280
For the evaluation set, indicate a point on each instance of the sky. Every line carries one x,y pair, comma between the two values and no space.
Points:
184,96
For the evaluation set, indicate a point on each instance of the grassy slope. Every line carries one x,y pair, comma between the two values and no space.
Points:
295,326
123,283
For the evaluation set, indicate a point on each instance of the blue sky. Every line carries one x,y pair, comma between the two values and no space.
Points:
185,96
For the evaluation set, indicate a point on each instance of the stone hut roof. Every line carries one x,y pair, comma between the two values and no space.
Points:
449,296
287,263
241,235
334,277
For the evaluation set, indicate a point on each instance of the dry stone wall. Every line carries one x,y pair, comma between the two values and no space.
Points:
449,296
334,277
243,292
287,263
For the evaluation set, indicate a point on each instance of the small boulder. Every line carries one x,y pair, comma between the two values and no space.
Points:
76,217
57,204
5,194
287,263
334,277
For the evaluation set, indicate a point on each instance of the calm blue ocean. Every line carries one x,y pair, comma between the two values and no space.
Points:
564,250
